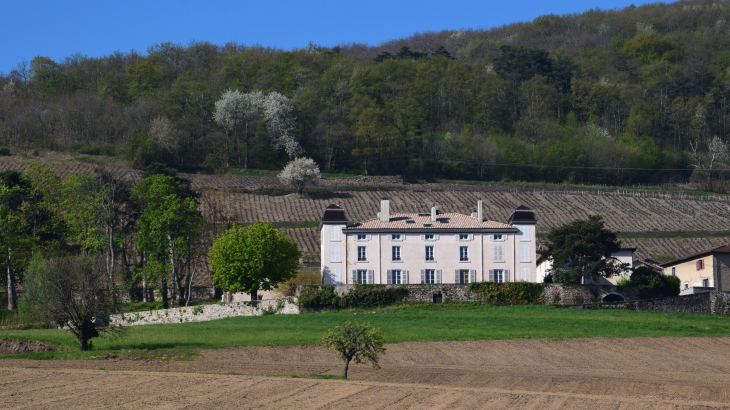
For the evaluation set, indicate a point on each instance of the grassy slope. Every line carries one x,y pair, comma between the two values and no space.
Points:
403,324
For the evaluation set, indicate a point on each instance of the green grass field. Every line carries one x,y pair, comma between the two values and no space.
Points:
405,323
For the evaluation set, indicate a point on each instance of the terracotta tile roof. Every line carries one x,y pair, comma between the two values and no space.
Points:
423,221
708,251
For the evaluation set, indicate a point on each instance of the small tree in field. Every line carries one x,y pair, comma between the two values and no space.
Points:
300,173
72,292
356,342
246,259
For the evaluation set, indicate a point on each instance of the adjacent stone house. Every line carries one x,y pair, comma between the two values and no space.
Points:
435,247
702,271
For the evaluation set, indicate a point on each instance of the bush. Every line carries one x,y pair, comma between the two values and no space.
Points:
624,281
361,296
4,152
305,276
652,284
507,294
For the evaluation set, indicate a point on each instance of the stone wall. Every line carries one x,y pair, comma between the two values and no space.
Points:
552,293
698,303
206,312
570,294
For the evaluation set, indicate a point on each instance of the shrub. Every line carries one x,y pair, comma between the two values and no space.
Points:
4,152
507,294
624,281
652,284
304,277
361,296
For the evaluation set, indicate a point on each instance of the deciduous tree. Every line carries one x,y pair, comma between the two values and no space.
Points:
300,173
355,342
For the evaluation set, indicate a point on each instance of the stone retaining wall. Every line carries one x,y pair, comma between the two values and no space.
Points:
698,303
206,312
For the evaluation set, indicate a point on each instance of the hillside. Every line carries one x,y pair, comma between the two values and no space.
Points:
603,97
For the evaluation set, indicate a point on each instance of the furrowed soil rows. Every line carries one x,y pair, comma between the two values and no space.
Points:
513,374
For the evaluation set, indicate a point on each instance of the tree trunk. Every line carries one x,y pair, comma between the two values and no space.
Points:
83,343
11,283
347,364
174,271
144,278
165,299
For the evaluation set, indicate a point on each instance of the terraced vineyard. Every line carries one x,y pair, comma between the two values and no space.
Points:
233,198
625,213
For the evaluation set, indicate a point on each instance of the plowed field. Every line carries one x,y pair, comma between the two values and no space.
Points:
677,373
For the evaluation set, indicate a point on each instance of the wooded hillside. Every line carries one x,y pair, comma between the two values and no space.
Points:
607,96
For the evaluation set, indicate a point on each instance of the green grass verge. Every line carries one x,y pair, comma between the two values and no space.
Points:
403,323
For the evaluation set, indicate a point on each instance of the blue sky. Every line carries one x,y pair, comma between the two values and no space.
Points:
57,29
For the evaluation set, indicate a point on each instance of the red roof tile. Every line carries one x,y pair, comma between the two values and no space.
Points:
420,221
708,251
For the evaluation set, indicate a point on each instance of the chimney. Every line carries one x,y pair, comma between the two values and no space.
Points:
480,213
433,213
384,213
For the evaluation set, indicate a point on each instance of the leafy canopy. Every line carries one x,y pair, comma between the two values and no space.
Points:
357,342
246,259
582,248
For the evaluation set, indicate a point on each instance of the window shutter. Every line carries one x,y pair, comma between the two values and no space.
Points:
438,276
390,277
335,253
506,275
370,276
697,265
423,275
456,237
354,276
423,237
404,277
472,276
436,237
335,233
491,275
457,277
471,236
368,237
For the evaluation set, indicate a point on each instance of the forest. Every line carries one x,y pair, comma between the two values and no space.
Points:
616,97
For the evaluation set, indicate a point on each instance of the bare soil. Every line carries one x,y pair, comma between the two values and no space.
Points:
13,347
652,373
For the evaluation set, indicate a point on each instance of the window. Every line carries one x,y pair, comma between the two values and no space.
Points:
335,232
335,277
395,277
525,253
497,237
700,264
395,254
674,271
525,274
463,254
498,253
686,285
362,253
362,276
335,254
705,283
525,234
430,237
396,237
464,237
465,276
361,237
430,275
498,275
429,254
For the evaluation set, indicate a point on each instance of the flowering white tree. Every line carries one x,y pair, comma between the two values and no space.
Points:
238,113
280,122
300,173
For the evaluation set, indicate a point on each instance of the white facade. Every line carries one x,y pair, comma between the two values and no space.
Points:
624,256
426,248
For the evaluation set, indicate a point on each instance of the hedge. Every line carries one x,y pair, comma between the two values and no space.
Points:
361,296
507,294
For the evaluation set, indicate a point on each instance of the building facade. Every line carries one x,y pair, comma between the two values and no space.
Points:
435,247
623,257
702,271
